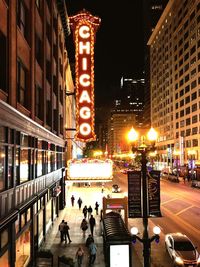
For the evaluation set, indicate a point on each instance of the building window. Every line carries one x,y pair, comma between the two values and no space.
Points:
187,110
38,51
38,101
193,84
187,89
194,95
194,119
22,82
182,113
2,167
195,130
187,132
181,102
187,100
187,121
194,107
3,65
22,17
195,142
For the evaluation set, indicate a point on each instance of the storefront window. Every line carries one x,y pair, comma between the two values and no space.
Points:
17,166
40,226
23,219
4,238
28,215
39,163
24,166
17,225
53,161
23,249
48,215
2,167
10,167
49,161
4,260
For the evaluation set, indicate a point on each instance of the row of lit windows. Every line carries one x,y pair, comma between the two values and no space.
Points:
24,158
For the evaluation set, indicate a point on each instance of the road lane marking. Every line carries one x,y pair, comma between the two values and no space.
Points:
178,213
170,200
189,226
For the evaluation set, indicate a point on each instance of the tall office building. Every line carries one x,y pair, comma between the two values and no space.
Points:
152,10
119,124
175,80
131,97
33,69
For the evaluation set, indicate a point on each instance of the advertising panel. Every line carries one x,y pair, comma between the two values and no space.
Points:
119,256
154,193
134,194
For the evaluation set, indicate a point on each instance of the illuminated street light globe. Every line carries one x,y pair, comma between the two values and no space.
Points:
152,135
132,135
134,230
156,230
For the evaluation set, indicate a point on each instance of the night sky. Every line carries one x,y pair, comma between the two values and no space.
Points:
119,43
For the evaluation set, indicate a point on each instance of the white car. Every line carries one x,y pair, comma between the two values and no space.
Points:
181,250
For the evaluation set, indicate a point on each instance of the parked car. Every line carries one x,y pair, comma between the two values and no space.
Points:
181,250
116,188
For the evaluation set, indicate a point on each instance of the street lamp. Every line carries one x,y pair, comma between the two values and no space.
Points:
144,144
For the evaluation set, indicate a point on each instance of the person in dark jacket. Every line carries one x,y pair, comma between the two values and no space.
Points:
97,208
92,223
85,210
66,232
89,211
79,203
89,240
72,200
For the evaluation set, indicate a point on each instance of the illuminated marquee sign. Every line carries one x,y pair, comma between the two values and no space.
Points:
84,27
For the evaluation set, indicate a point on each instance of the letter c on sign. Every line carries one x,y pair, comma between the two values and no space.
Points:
85,129
84,31
85,113
85,80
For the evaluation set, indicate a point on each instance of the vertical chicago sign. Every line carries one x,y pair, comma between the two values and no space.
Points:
84,27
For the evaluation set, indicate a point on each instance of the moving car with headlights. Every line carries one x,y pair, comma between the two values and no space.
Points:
181,250
116,188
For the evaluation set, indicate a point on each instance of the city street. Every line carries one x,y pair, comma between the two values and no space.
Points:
180,213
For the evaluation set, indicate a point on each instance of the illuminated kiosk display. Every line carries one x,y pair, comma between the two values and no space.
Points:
84,27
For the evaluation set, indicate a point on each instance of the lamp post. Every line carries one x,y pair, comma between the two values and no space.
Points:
139,145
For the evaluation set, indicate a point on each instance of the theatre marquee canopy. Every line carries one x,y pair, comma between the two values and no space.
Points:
90,170
84,27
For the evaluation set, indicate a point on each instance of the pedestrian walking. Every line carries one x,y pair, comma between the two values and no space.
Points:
85,210
97,208
89,211
92,223
60,228
92,253
89,240
79,203
79,256
72,200
66,232
84,226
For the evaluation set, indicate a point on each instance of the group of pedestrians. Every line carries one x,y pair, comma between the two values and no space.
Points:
92,250
64,231
87,222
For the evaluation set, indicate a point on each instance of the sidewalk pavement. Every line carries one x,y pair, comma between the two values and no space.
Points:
74,216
